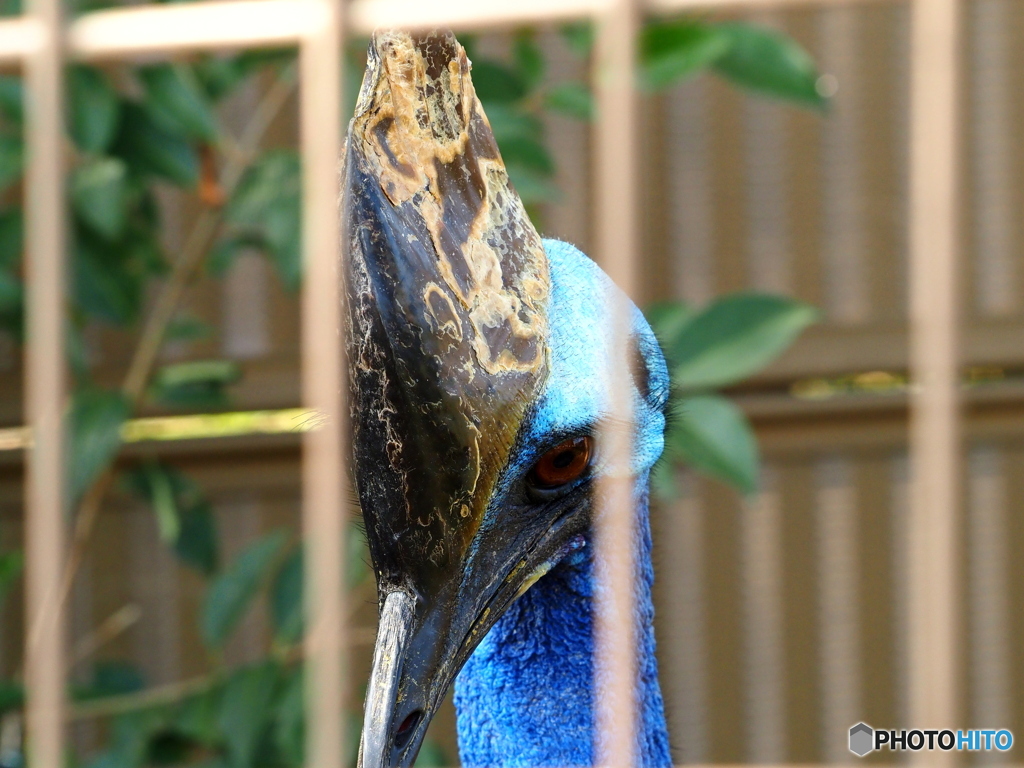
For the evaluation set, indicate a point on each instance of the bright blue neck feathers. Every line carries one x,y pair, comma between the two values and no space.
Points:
526,695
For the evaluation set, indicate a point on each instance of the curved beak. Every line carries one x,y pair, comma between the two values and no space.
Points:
422,645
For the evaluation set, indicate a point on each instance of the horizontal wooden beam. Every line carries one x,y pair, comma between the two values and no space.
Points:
168,30
185,28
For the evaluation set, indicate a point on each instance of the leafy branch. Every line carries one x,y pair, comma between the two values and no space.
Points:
184,270
729,341
157,124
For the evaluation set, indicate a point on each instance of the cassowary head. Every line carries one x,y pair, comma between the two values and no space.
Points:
478,359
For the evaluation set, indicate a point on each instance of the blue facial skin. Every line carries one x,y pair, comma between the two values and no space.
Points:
526,695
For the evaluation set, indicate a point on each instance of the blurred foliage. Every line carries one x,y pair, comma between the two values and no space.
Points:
134,130
11,564
516,94
726,342
751,57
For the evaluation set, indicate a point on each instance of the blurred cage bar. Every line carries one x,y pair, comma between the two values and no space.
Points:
774,695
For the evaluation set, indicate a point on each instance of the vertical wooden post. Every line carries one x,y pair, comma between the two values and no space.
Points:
616,240
324,465
935,417
45,390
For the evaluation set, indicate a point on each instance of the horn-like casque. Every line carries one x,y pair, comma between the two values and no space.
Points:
447,288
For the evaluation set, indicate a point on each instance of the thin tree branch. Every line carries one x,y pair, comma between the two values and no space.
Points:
196,247
111,628
200,239
109,706
172,693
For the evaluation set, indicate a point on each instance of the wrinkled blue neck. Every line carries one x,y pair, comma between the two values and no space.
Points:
526,695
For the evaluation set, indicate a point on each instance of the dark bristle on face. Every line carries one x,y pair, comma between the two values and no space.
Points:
638,369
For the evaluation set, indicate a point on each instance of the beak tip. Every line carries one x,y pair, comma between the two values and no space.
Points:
375,745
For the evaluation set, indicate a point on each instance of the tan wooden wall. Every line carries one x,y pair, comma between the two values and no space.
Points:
780,618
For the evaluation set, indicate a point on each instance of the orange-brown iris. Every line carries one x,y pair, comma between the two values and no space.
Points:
562,464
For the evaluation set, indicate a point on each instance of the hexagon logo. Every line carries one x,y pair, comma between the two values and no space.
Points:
862,738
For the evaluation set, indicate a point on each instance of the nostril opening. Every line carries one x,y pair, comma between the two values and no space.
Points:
406,728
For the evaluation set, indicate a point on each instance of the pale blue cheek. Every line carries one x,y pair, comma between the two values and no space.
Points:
525,696
575,394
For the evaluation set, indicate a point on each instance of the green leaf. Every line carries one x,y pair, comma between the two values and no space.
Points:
356,557
668,319
246,709
11,288
220,75
260,187
11,565
496,82
663,478
353,82
579,36
11,238
168,522
769,62
672,50
168,747
11,294
78,353
231,593
533,188
187,329
711,434
289,730
529,59
224,252
508,122
528,153
12,695
267,203
111,677
180,374
736,337
197,543
431,756
105,285
129,737
161,495
12,98
571,99
227,249
11,160
94,109
286,599
353,726
96,419
198,382
99,191
285,595
197,718
78,7
151,150
176,102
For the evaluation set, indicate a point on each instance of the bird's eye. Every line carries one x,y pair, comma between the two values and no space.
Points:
564,463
